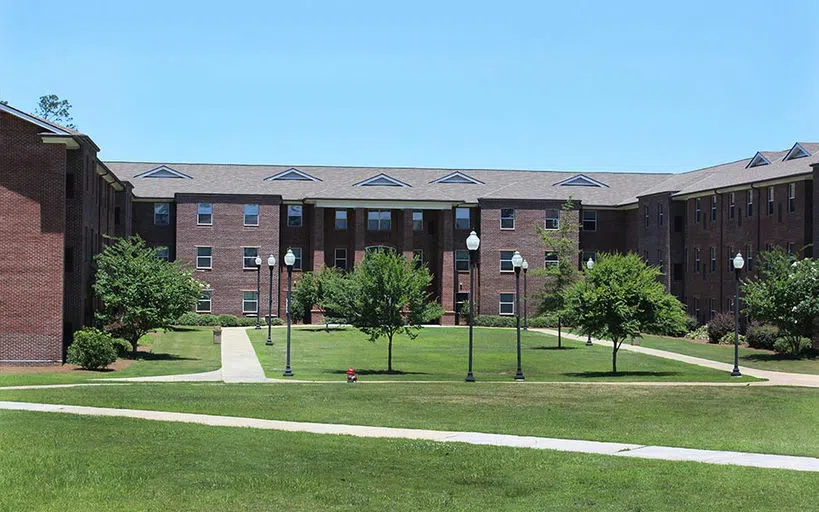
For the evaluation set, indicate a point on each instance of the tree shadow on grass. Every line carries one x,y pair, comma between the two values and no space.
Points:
777,357
151,356
179,328
544,347
597,375
322,329
377,372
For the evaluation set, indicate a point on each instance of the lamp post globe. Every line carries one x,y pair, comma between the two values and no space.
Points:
258,263
739,262
472,243
589,265
271,262
289,261
517,263
525,267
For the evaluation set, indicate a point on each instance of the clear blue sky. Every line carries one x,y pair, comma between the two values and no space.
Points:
587,85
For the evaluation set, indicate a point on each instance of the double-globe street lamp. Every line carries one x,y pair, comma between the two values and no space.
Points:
289,261
589,265
517,263
472,243
271,262
525,297
739,262
258,262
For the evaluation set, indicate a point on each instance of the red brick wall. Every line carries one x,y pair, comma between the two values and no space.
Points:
142,219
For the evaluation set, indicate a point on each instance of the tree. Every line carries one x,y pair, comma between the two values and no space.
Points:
385,295
314,289
139,291
562,242
620,298
52,108
786,294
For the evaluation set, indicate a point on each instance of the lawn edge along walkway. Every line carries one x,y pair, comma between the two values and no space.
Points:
668,453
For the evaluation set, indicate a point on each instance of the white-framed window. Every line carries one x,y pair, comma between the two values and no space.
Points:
791,197
730,253
417,220
297,265
250,302
770,201
249,255
697,260
506,261
205,302
697,210
697,307
418,257
749,196
506,303
204,257
713,259
461,300
791,251
295,217
730,304
713,208
552,219
162,252
204,214
162,214
660,214
379,220
462,218
732,205
589,220
585,255
550,258
340,258
462,260
507,218
341,220
749,258
251,215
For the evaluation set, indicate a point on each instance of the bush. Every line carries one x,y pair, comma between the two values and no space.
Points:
700,333
761,336
719,326
792,346
229,321
544,321
494,321
207,320
121,346
691,323
728,339
92,349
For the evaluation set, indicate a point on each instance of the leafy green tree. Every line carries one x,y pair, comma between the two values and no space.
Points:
313,290
786,294
559,276
139,291
385,295
52,108
620,298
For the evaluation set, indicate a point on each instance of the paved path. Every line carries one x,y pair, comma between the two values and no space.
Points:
774,378
758,460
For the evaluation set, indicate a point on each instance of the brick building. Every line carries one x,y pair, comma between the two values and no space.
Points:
218,218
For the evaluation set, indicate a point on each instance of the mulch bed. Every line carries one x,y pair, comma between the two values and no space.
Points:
119,364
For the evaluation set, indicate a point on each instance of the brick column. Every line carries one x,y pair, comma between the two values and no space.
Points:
318,238
359,234
448,277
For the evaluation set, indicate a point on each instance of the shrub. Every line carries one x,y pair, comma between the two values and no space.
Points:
761,335
791,345
92,349
691,323
229,321
719,326
241,321
700,333
543,321
728,339
494,321
121,346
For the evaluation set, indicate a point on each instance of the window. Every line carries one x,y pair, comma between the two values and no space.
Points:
249,255
462,218
713,259
417,221
550,258
660,214
418,258
205,302
341,219
749,258
697,259
162,214
750,200
204,257
697,210
589,220
732,205
791,197
660,262
462,261
250,302
731,305
294,216
507,218
713,208
340,258
506,261
584,257
730,259
506,303
552,218
645,216
162,252
297,265
697,308
204,214
712,305
378,220
461,300
770,201
790,249
251,215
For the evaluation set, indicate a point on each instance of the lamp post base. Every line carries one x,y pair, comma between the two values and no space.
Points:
257,327
288,373
469,377
519,376
588,342
736,373
269,342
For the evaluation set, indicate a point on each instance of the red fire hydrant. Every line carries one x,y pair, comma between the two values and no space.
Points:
352,378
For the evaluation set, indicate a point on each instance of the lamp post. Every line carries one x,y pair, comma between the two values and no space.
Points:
289,260
472,243
258,262
271,262
525,266
589,265
739,262
517,263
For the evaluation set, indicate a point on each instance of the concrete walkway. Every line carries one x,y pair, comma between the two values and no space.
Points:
757,460
774,378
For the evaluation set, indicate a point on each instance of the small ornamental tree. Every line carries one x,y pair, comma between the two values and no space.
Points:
313,290
386,295
786,294
139,291
620,298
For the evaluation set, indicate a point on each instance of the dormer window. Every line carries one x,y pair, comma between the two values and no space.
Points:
292,174
758,160
163,171
797,151
580,180
382,180
458,177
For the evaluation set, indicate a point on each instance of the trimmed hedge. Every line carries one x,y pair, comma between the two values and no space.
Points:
495,321
207,320
92,349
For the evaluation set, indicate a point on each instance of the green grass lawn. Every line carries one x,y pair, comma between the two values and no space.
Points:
178,351
62,462
780,420
441,354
